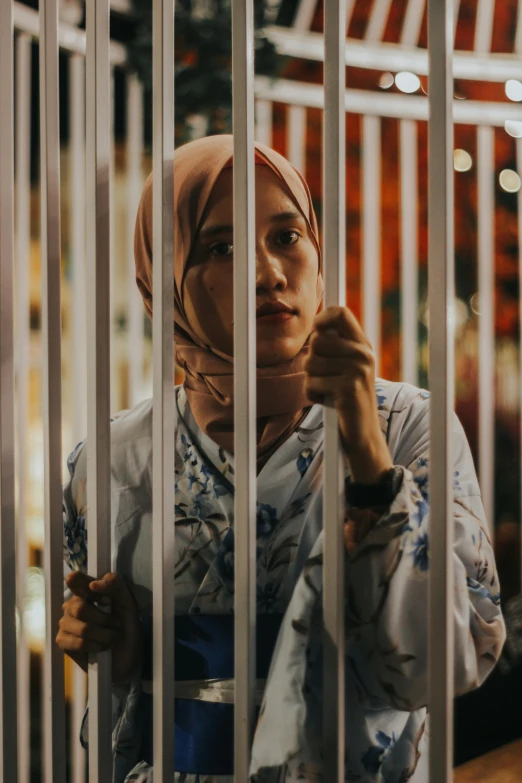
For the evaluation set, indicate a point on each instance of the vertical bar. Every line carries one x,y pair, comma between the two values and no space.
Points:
409,250
79,326
371,162
8,709
54,696
304,14
296,137
484,26
441,375
378,19
519,206
98,364
115,396
412,22
486,291
518,31
23,240
244,381
334,231
134,187
263,130
163,422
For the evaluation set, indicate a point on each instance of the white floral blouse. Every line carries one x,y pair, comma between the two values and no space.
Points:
386,591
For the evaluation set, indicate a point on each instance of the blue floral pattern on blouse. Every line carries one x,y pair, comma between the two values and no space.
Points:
385,592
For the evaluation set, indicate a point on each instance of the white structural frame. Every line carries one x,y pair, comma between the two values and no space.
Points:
441,273
8,668
244,383
22,370
98,102
163,407
441,112
54,697
334,269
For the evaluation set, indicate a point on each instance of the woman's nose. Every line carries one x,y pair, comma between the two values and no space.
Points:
269,272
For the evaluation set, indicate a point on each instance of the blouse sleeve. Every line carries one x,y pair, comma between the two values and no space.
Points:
388,575
74,525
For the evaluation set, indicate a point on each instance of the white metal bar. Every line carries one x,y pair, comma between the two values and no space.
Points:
305,14
134,188
441,378
334,231
456,11
79,339
484,26
395,57
263,129
519,206
98,365
70,38
518,31
409,250
371,165
396,105
163,422
296,137
8,708
412,22
54,697
23,241
486,291
244,382
115,397
377,21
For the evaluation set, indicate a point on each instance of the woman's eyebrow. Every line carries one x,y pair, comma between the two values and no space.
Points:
207,232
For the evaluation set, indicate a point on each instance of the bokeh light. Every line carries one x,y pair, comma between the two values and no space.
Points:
407,82
462,160
509,181
514,90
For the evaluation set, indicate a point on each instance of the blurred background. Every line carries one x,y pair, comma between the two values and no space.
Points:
289,70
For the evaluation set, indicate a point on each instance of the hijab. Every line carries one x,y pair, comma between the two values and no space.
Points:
209,381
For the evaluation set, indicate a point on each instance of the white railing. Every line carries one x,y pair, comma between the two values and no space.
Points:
93,255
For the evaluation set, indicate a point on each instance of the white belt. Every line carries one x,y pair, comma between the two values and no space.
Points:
217,690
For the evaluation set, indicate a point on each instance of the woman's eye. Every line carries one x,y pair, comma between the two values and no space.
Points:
288,237
221,249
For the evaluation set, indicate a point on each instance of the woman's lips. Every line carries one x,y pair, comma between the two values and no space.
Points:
275,318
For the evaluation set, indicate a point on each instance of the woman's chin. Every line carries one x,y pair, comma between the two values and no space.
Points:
277,351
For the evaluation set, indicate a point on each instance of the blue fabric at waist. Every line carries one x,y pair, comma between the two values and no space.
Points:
204,731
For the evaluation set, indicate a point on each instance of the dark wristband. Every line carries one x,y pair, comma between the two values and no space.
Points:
382,493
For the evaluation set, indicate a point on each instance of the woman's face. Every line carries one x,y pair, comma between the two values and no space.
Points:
287,266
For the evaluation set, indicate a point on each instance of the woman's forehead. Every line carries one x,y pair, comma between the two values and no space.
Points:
271,197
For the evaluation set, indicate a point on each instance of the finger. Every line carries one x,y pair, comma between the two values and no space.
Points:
107,637
113,587
81,609
322,366
329,344
342,320
78,583
69,643
329,385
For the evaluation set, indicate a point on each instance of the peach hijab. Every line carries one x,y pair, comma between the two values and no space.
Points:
209,381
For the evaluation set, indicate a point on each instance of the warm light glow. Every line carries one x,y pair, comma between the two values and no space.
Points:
407,82
514,128
509,181
34,609
514,90
386,81
462,160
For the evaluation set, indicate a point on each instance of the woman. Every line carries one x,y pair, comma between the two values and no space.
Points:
302,355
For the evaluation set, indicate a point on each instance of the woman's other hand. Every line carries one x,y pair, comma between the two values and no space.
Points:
86,628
